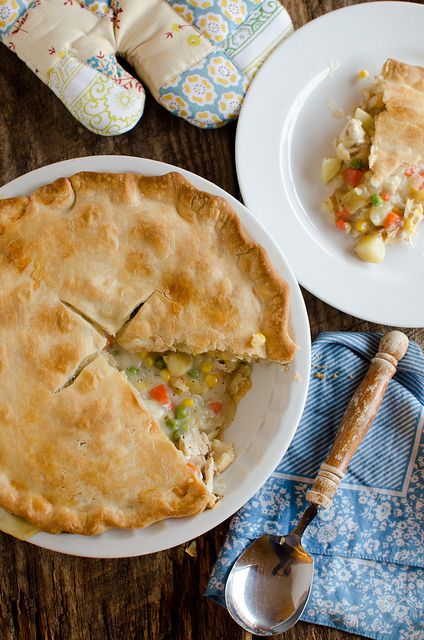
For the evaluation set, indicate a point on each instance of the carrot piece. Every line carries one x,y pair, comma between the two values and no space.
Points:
408,172
341,224
385,196
342,213
160,394
216,406
391,219
354,177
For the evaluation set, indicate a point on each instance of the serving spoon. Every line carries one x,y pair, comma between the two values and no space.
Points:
269,585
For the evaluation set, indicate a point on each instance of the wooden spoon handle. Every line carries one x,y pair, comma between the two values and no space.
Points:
358,417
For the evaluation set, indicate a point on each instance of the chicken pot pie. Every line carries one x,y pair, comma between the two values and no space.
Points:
131,311
377,175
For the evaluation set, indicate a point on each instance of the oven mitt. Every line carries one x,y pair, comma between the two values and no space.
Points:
72,50
197,57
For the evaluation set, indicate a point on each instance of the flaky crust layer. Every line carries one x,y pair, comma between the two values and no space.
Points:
399,134
77,259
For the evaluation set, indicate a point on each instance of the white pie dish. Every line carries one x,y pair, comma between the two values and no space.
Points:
266,419
281,142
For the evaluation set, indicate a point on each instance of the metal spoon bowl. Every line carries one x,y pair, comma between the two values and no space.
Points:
269,585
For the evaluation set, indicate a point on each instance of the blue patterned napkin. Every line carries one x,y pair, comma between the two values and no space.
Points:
369,546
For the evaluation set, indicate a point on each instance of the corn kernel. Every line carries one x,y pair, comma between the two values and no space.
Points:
188,402
258,339
165,375
206,366
148,361
211,380
409,226
363,73
142,354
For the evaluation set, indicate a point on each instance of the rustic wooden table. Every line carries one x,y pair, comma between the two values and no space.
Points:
45,595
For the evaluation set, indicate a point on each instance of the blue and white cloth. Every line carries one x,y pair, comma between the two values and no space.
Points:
369,546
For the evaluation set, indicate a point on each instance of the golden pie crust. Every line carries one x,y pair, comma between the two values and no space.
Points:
399,130
161,265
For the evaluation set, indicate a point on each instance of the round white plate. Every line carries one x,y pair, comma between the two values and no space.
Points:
286,128
266,419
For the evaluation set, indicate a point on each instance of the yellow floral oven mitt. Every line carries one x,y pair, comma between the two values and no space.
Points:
197,57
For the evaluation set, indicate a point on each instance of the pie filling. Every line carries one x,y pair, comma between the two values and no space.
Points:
376,213
193,398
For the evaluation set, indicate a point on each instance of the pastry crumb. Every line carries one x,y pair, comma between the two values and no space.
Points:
321,376
192,549
335,375
297,376
258,340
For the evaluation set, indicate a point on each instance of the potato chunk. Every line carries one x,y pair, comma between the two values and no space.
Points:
371,248
366,119
178,363
330,167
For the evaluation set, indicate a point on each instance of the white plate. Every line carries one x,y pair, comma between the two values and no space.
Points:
266,419
285,128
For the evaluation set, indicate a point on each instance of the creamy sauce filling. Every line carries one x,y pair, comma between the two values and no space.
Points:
193,398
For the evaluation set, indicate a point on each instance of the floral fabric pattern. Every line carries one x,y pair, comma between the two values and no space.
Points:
218,43
234,10
369,546
101,9
95,99
214,27
218,18
184,11
109,66
211,92
223,71
244,32
199,90
10,11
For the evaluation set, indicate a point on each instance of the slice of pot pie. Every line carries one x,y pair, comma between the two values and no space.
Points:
131,311
377,175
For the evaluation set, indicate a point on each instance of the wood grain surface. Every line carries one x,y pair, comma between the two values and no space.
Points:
45,595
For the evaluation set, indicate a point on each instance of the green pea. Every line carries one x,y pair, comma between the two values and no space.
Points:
160,363
356,163
376,201
133,370
193,373
184,426
181,412
172,423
